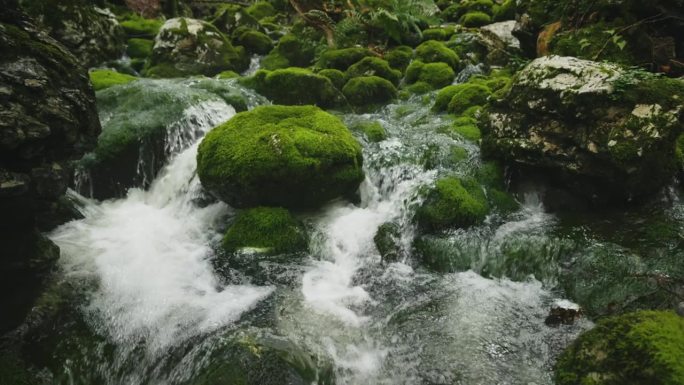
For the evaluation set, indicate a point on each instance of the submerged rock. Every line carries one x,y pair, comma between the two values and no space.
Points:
387,241
286,156
187,46
91,33
269,230
48,118
645,347
606,132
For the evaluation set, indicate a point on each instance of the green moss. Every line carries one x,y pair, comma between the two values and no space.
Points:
291,51
399,57
372,130
138,27
437,75
102,79
280,156
590,41
439,34
453,202
337,77
253,41
419,88
476,19
504,11
466,96
274,230
387,240
374,66
228,75
295,86
163,71
261,9
467,128
369,91
679,151
435,51
645,347
456,12
139,48
341,59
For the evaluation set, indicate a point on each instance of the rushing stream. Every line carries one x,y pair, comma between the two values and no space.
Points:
159,303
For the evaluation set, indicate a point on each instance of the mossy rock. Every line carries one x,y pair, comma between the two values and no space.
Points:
337,77
253,357
437,75
419,88
439,34
372,130
102,79
456,12
228,17
433,51
399,57
228,75
192,47
467,128
453,202
253,41
261,9
465,96
139,48
291,51
139,27
295,86
645,347
287,156
369,91
341,59
504,11
270,230
387,240
374,66
476,19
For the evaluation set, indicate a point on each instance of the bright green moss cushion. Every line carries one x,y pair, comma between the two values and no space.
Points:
289,156
271,230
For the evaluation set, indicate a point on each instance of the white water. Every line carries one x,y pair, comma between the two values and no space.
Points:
149,255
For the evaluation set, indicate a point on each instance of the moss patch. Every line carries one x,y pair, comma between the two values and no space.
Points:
372,130
295,86
280,156
645,347
433,51
341,59
368,91
271,229
102,79
453,202
374,66
139,48
437,75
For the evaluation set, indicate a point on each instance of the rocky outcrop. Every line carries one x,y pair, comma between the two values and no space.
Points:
187,46
603,131
47,119
91,33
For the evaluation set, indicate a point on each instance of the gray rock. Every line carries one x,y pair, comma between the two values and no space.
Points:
605,132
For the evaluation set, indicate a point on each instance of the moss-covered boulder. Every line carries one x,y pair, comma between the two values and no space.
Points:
187,46
466,96
439,34
228,17
341,59
269,230
287,156
388,241
261,9
253,40
295,86
369,91
337,77
436,75
433,51
374,66
605,132
645,347
476,19
459,9
92,33
453,202
399,57
291,51
372,130
102,79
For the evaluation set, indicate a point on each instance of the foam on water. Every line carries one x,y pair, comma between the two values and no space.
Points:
149,254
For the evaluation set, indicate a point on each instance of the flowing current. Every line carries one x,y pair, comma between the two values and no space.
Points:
155,292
